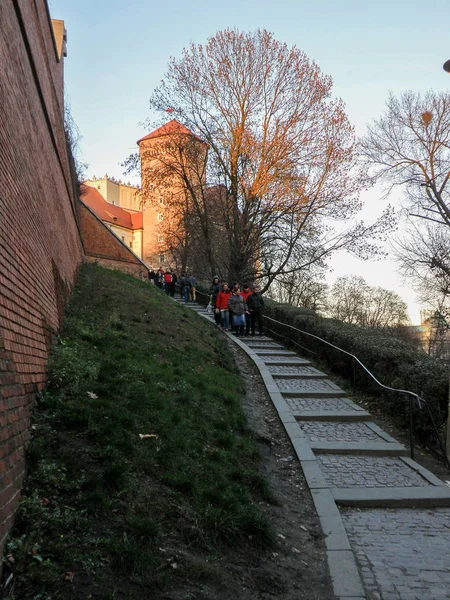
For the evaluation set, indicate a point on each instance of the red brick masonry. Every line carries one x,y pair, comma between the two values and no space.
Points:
40,245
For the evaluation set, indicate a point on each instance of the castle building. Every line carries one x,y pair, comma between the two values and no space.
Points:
143,218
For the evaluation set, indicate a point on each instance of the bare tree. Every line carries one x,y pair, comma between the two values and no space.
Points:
352,300
410,146
305,288
281,150
424,258
383,309
348,297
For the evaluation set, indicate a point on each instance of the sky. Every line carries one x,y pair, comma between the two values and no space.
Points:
117,53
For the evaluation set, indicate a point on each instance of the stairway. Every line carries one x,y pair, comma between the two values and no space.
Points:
385,518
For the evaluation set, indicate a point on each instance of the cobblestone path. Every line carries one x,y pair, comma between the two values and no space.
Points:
386,519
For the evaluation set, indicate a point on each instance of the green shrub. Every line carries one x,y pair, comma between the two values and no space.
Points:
394,362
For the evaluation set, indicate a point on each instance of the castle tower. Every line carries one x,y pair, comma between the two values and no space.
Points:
172,159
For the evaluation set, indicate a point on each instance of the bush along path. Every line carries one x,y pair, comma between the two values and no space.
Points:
386,519
144,478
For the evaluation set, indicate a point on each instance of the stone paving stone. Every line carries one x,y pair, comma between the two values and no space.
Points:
262,344
402,554
346,471
294,370
326,431
269,354
319,385
319,404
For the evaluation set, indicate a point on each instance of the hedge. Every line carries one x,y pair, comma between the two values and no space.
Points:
393,361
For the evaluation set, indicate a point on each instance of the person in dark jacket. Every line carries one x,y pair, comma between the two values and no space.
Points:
245,293
255,303
174,284
185,286
214,292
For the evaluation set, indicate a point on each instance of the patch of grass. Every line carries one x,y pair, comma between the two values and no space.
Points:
100,500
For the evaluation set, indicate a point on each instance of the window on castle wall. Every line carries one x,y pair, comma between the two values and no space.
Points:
161,258
160,217
123,239
131,244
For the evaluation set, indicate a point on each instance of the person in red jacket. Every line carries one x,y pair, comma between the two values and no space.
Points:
245,293
222,306
167,281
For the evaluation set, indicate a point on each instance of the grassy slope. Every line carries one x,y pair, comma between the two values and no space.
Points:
100,501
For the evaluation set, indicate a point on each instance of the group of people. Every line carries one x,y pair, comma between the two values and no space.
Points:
236,309
167,281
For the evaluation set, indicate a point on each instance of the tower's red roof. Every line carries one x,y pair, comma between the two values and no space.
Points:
109,212
170,128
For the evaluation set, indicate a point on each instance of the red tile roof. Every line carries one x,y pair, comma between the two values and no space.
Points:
170,128
109,212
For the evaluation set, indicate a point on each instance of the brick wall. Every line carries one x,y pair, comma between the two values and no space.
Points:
40,245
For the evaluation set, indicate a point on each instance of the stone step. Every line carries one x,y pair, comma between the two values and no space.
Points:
393,497
263,345
322,404
327,415
373,471
312,388
270,352
287,362
359,448
310,373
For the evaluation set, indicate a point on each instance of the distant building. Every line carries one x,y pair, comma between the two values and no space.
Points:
433,335
107,198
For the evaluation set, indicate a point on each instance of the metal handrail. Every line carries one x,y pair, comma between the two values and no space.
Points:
412,395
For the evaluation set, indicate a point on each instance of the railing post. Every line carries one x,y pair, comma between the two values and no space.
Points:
411,427
353,374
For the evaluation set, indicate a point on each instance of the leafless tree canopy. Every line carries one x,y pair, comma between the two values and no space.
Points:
424,257
352,300
280,147
409,146
305,288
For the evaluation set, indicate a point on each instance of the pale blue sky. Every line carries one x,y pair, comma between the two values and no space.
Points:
118,52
